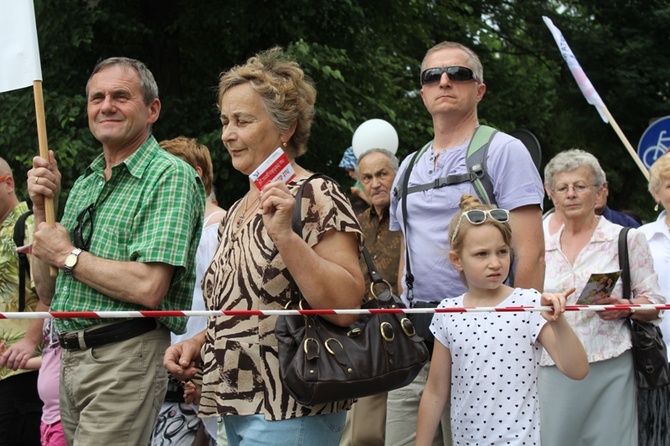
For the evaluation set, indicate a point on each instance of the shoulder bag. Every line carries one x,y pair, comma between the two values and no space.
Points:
652,373
321,362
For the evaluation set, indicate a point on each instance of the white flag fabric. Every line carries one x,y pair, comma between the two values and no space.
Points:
19,50
583,82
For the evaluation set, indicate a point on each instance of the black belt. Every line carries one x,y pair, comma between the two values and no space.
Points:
95,337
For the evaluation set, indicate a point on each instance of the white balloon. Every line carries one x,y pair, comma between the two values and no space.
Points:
374,134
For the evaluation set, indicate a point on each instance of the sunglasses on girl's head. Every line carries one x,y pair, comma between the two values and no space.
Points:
478,216
456,74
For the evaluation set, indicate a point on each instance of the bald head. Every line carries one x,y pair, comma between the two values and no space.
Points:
4,168
8,200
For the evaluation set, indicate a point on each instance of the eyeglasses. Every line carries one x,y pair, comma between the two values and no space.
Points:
4,178
84,219
455,73
578,188
478,216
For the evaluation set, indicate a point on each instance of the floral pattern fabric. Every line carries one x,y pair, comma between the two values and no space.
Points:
601,339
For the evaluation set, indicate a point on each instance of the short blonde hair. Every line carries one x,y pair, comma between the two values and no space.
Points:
659,172
288,95
197,155
470,203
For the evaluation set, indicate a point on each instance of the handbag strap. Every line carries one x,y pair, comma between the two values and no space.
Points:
623,263
297,224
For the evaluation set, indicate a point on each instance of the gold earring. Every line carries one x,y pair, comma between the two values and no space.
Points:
284,145
656,208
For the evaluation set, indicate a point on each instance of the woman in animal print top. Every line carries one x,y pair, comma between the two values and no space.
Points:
265,104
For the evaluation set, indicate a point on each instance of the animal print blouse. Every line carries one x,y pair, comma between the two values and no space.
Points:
241,367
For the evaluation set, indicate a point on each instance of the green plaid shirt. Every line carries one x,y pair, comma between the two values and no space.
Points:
150,210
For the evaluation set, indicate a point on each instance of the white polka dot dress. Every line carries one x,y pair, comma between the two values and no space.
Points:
495,362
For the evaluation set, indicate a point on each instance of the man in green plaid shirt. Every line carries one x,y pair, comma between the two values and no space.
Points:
126,242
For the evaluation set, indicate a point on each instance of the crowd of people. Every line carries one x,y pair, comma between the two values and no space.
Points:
140,231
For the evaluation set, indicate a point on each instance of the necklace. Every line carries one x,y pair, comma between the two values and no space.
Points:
241,218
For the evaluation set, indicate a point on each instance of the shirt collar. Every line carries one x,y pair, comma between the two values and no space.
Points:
136,163
373,213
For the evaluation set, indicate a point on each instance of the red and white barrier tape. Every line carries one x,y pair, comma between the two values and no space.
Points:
191,313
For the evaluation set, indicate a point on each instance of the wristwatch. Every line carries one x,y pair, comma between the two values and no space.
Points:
71,261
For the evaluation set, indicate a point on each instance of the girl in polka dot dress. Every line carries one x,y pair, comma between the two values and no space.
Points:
487,363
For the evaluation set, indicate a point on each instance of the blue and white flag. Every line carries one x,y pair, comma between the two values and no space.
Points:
590,93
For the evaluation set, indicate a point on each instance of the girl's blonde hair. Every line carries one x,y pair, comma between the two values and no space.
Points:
470,203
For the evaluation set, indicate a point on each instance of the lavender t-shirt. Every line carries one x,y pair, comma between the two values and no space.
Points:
516,183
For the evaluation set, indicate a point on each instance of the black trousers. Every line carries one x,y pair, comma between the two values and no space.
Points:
20,410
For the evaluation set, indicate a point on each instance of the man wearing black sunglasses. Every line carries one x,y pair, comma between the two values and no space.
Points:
452,84
126,242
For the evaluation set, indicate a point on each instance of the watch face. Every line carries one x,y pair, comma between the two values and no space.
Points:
71,260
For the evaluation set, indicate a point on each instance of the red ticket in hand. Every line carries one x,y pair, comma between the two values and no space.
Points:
25,249
276,167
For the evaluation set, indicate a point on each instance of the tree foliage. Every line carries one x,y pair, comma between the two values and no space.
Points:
364,57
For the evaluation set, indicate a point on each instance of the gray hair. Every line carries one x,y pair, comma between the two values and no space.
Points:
572,159
392,159
475,63
148,85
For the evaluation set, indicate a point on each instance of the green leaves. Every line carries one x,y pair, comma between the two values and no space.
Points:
364,58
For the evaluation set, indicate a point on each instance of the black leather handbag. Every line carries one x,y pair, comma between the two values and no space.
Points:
649,350
652,373
321,362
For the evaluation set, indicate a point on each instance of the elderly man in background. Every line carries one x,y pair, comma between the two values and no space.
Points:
376,170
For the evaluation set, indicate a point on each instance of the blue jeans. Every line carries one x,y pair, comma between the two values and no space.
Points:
248,430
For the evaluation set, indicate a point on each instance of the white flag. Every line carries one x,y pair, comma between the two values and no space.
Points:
19,50
583,82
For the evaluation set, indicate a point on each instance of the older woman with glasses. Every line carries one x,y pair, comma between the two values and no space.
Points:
600,410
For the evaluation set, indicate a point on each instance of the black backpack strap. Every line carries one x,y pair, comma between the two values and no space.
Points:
409,277
24,266
402,190
623,263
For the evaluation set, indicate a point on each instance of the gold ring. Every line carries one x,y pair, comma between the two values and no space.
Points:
36,180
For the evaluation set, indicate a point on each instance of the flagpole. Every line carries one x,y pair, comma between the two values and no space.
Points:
44,153
625,142
590,93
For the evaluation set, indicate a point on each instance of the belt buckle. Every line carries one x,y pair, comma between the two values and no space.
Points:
69,341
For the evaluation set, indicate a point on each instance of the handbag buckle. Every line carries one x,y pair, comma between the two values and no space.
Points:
387,331
407,327
329,348
310,352
372,287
